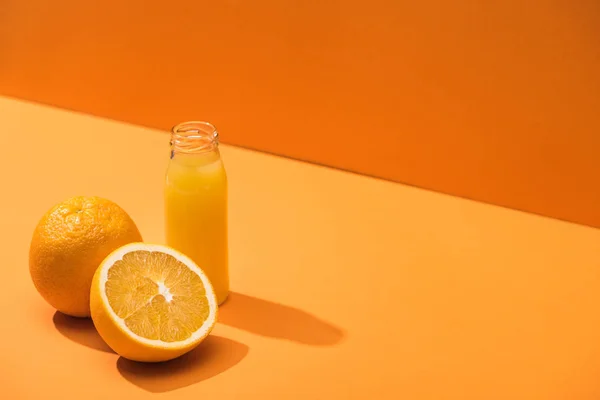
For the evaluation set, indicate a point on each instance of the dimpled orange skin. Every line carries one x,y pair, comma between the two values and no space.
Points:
68,245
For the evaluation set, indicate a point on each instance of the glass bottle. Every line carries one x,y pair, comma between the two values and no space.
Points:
196,201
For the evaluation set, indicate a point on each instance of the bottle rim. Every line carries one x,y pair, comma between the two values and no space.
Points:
194,137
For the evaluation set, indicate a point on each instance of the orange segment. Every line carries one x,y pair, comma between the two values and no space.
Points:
153,300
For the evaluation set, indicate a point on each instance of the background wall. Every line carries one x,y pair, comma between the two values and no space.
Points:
495,101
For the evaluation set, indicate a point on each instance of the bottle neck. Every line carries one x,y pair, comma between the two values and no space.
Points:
194,138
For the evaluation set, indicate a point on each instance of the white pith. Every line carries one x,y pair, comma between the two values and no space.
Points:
163,290
118,255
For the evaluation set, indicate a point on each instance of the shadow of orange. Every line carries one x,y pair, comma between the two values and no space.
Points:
80,330
276,320
213,356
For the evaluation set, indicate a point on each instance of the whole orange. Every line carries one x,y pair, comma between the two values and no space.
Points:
68,245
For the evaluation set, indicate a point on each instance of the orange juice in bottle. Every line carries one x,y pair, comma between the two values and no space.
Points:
196,201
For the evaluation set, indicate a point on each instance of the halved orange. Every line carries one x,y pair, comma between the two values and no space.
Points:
151,303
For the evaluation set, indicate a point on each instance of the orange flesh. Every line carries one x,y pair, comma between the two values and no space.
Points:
157,296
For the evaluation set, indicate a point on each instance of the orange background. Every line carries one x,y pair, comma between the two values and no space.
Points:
344,287
495,101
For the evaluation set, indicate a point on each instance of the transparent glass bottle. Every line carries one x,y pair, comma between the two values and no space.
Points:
196,201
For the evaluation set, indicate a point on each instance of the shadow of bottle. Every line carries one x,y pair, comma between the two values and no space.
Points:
276,320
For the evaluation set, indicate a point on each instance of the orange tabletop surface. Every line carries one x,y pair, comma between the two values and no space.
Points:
345,287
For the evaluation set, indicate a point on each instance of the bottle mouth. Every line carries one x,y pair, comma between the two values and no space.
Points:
194,137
